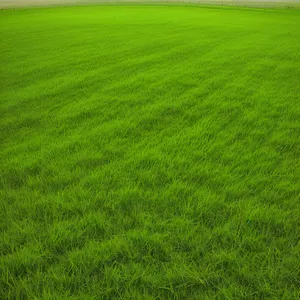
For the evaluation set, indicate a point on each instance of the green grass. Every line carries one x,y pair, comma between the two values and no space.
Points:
149,153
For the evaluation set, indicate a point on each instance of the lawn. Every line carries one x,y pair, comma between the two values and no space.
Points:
149,152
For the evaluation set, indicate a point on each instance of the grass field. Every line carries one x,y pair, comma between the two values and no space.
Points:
149,153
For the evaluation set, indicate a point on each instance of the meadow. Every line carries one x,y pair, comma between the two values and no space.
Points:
149,152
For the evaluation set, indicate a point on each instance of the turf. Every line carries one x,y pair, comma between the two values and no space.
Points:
149,153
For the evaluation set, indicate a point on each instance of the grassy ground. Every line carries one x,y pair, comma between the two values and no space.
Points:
245,3
149,153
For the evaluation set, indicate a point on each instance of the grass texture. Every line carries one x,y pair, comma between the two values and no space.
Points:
149,153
